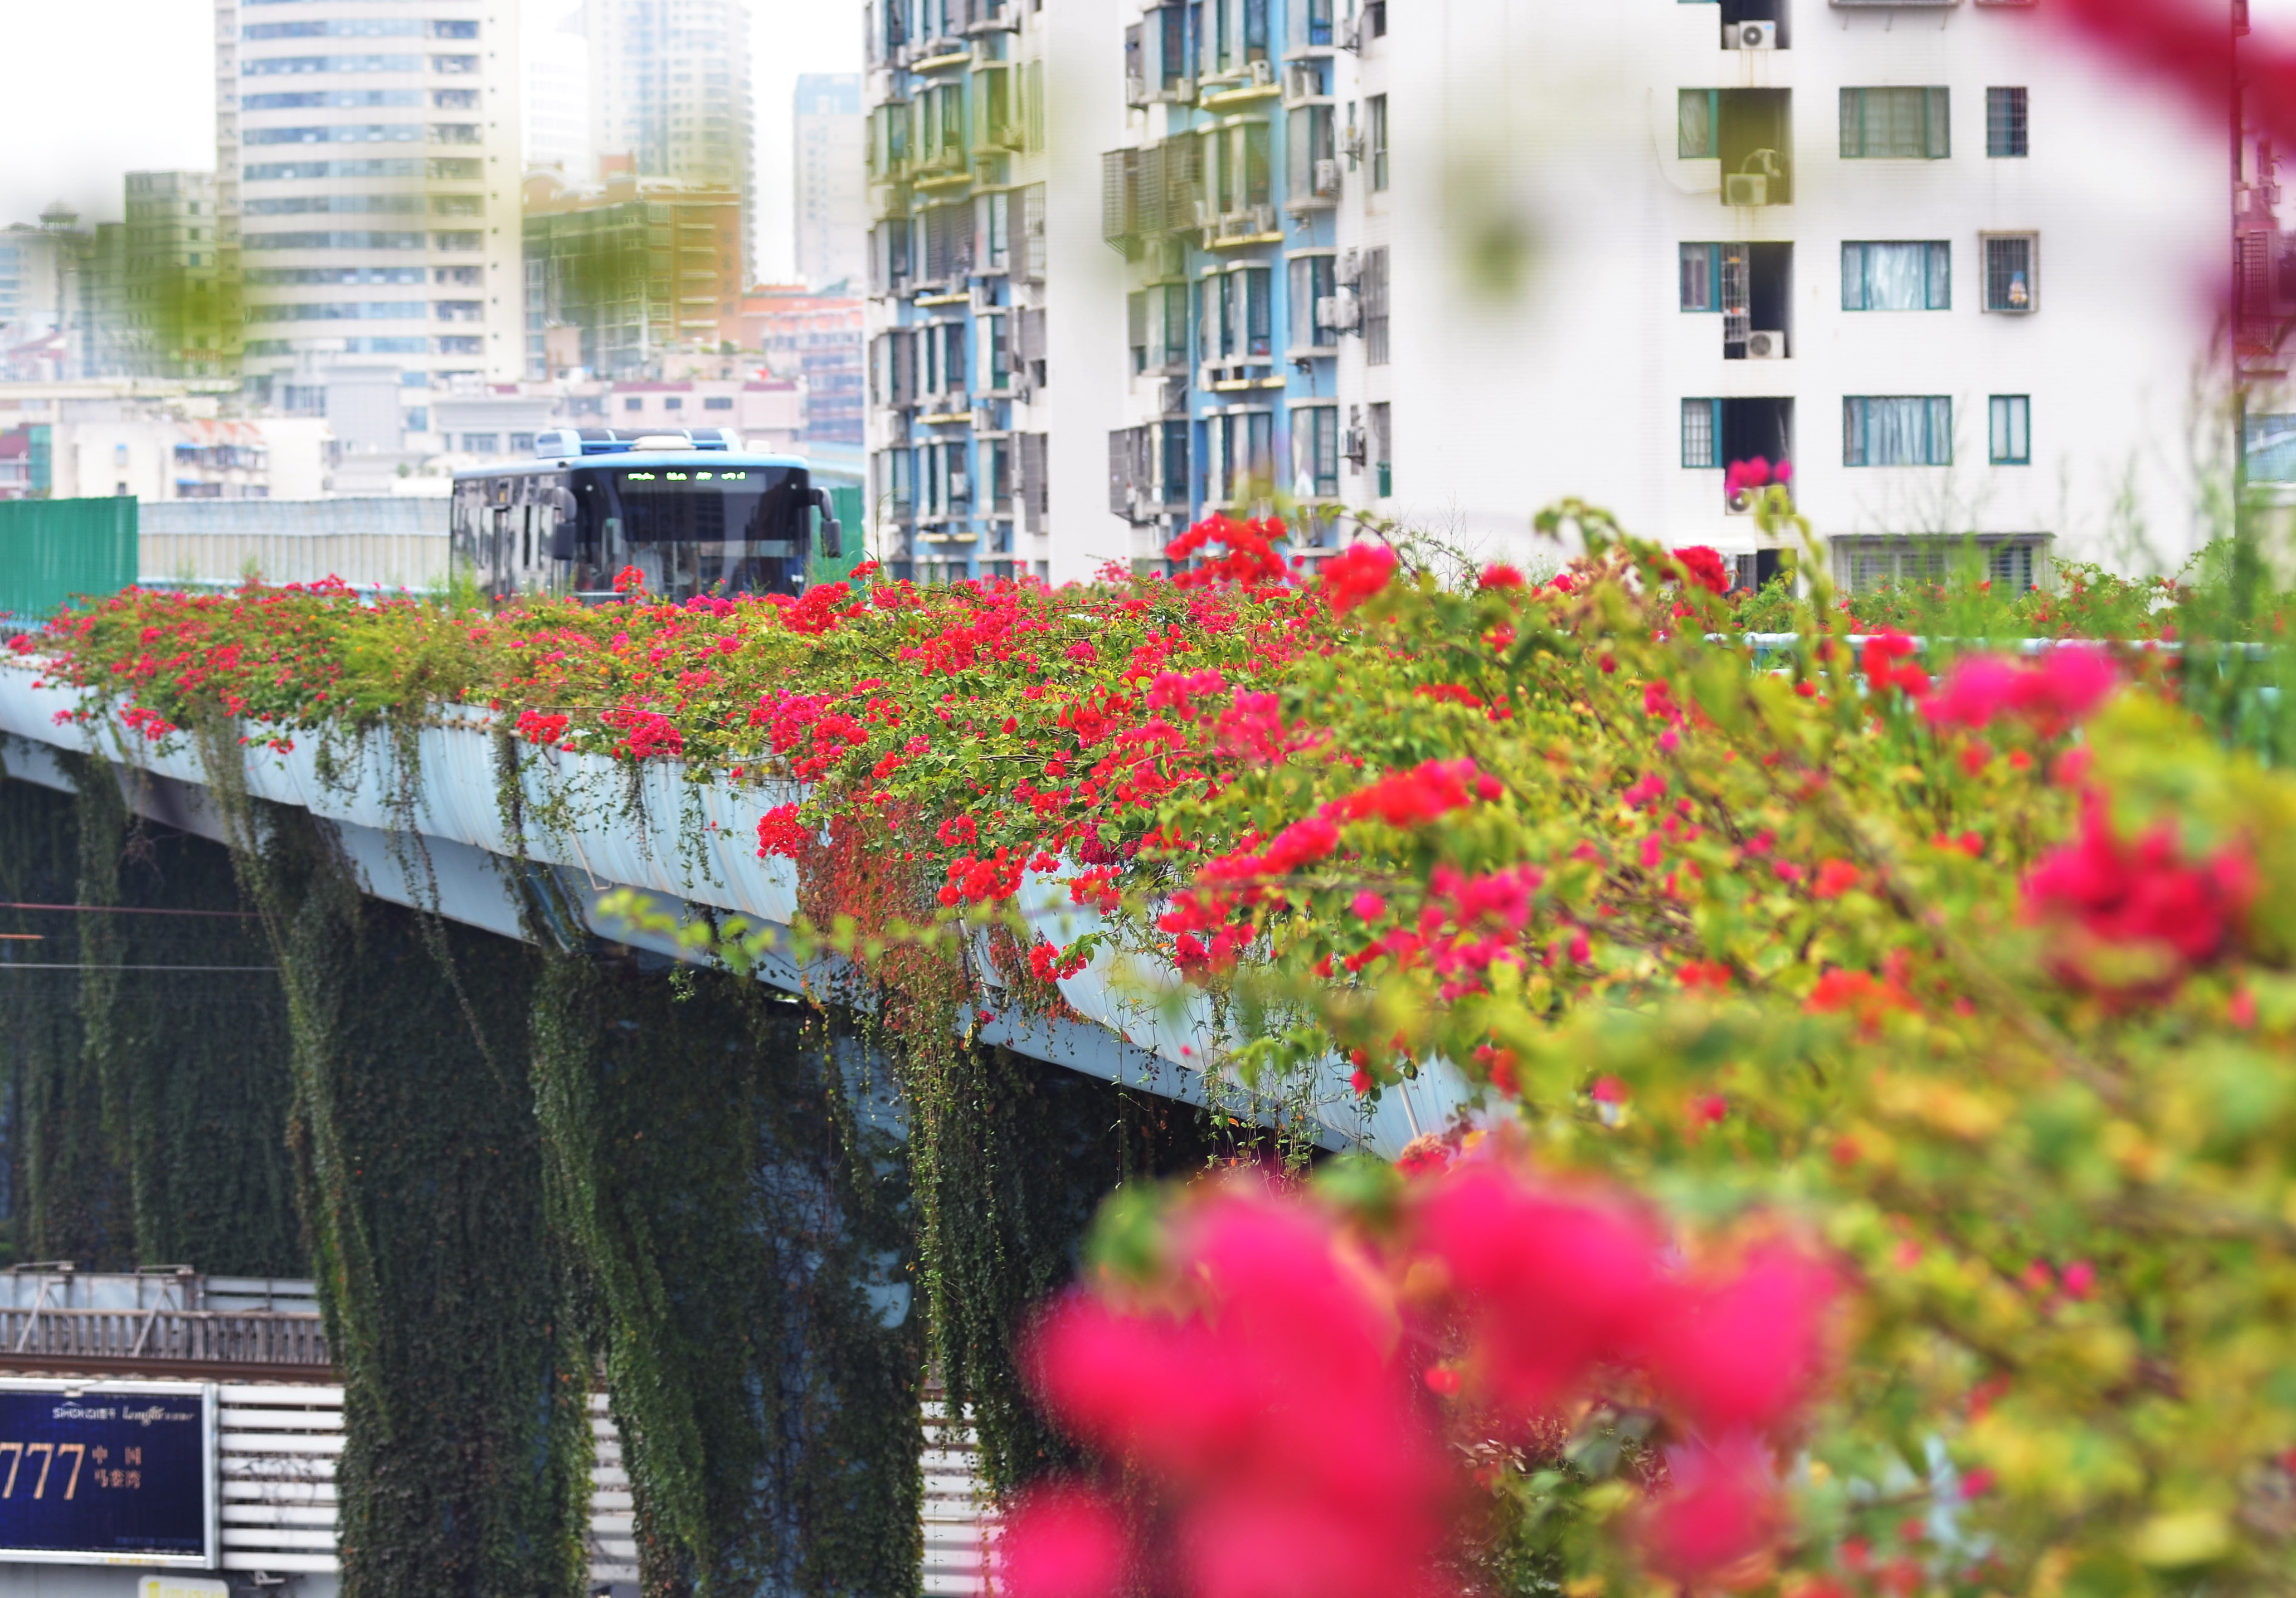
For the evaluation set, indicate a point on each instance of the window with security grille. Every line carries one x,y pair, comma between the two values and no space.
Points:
1376,109
1382,447
2014,561
1885,123
1316,451
1699,432
2012,283
1370,286
2004,123
1897,430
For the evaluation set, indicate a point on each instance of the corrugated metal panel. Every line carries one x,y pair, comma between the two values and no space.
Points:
393,542
960,1522
51,549
278,1444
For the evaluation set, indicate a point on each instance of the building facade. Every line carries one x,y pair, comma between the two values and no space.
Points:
817,338
831,223
181,312
669,87
560,130
367,193
1442,270
641,265
990,291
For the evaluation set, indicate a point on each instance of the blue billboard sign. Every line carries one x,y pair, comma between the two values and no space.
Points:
113,1472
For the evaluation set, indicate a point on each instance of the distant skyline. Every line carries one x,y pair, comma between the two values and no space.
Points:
81,112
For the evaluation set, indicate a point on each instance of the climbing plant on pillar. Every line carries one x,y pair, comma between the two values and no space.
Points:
735,1202
465,1399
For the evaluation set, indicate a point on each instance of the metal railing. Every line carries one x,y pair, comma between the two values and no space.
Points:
224,1337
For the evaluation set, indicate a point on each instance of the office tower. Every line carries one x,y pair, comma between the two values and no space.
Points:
831,210
641,265
669,87
367,182
559,125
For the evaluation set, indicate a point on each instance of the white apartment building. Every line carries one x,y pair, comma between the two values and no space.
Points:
996,311
367,182
669,87
1450,266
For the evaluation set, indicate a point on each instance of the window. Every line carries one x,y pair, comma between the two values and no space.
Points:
2004,123
673,404
634,403
2016,561
717,402
1176,463
1700,430
1696,114
1702,269
1879,123
521,444
2012,429
1176,324
1311,283
1135,325
1376,109
1896,277
1372,285
1316,451
482,444
1897,430
1382,448
2011,282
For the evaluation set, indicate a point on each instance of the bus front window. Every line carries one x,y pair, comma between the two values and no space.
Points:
711,530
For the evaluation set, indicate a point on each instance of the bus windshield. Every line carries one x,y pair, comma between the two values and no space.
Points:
703,528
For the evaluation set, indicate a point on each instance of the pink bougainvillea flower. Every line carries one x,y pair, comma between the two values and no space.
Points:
1743,1349
1062,1541
1887,663
2060,690
1498,574
2134,917
1719,1509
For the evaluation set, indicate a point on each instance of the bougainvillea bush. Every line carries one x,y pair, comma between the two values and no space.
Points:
1879,1178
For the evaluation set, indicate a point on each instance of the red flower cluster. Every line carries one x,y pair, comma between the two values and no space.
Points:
1887,662
630,581
1704,568
1263,1396
647,733
780,833
1355,575
1746,477
1050,964
973,881
2063,688
2132,918
536,727
1251,559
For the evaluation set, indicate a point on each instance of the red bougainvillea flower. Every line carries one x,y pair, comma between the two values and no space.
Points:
1355,574
536,727
1498,574
1744,477
1704,568
1887,663
1062,1540
779,833
2062,689
629,580
2133,917
1720,1509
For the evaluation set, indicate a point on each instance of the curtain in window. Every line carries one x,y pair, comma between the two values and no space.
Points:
1898,431
1896,277
1695,110
1697,277
1259,311
1894,122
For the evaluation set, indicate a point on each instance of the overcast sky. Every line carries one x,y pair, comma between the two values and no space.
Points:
102,87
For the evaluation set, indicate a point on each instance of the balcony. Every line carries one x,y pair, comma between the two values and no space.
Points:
1241,229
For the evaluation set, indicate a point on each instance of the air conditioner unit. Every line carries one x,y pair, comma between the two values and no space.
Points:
1263,219
1207,213
1263,74
1302,81
1348,269
1745,188
1765,344
1342,311
1327,177
1136,89
960,487
1741,502
1750,35
1351,445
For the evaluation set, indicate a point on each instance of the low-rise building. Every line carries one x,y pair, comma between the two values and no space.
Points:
816,337
769,413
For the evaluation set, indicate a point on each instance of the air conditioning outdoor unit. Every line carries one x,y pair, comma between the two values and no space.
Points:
1263,74
1741,502
1263,219
1327,177
1349,268
1303,80
1341,312
960,487
1765,345
1750,35
1745,188
1351,445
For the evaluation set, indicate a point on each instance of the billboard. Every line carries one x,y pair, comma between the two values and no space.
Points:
108,1473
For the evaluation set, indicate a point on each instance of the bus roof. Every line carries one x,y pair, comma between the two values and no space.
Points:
712,460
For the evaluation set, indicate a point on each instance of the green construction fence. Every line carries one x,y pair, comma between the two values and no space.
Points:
52,549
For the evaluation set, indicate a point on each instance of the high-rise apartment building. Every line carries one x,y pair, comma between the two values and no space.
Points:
669,87
560,129
1450,267
831,206
991,292
367,185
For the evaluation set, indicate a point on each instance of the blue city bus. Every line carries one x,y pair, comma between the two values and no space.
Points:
692,512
